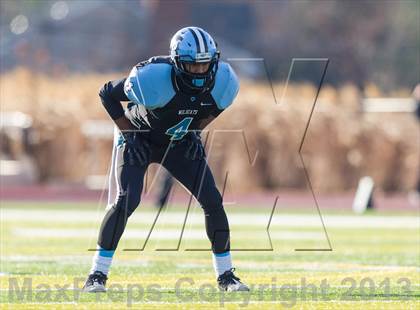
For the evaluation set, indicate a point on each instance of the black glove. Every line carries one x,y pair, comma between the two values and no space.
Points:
195,149
137,148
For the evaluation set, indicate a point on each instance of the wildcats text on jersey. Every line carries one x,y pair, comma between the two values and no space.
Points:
187,112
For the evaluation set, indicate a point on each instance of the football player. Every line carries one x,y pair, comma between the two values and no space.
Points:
173,98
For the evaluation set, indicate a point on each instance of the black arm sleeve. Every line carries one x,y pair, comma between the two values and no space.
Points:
111,94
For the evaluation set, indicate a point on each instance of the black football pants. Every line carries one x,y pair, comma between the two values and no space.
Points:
194,175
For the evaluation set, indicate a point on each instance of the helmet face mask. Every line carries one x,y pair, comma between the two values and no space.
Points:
193,45
196,81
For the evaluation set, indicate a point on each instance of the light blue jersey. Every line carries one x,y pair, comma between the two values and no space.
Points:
172,112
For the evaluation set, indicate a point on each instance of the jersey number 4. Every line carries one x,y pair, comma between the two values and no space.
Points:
178,131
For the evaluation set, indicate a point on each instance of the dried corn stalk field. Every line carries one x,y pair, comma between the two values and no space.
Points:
341,145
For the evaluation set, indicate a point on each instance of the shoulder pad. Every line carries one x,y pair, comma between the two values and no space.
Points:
226,86
150,85
160,59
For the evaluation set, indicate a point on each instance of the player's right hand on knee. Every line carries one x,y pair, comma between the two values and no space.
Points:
195,149
137,148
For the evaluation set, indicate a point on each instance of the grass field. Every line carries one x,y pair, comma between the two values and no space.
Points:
374,262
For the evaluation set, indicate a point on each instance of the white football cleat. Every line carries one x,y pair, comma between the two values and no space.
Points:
95,282
230,283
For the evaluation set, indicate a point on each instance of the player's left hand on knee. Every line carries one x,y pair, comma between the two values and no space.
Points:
195,149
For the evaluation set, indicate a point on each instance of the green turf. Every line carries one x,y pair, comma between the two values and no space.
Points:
368,267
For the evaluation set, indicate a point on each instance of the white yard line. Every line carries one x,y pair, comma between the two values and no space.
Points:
248,219
157,234
275,268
